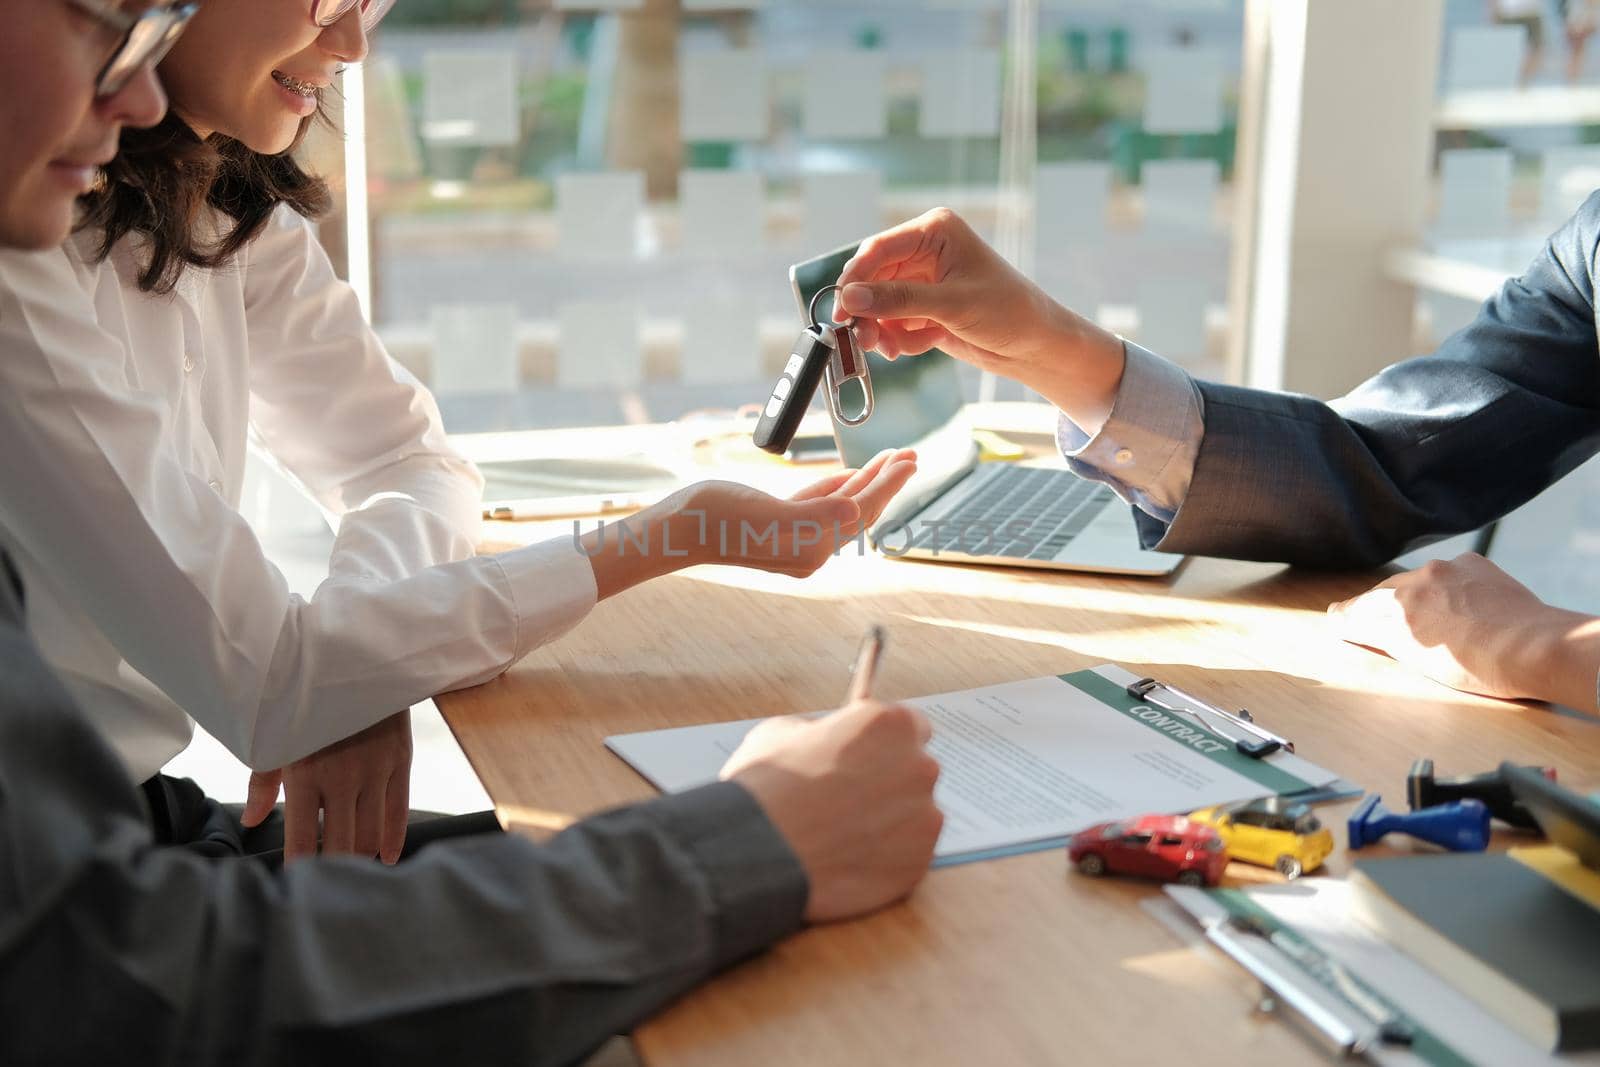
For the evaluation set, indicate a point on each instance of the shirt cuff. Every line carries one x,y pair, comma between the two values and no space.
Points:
1146,450
758,887
552,590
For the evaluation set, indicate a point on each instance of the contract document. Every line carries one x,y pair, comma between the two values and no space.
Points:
1027,764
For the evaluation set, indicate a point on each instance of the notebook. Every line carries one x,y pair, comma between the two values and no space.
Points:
1505,928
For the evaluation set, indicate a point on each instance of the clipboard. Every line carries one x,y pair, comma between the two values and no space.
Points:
1316,912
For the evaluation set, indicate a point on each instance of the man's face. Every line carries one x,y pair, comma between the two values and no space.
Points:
54,132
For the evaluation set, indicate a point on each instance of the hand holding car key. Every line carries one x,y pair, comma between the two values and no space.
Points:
823,350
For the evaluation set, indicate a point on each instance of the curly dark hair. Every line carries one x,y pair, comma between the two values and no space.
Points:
165,177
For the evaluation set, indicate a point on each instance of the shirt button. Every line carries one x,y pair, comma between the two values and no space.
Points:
216,487
1124,455
188,364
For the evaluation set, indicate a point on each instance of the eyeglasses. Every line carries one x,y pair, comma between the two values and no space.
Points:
327,12
144,39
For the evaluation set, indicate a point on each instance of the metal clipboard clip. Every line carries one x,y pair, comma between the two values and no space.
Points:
1314,989
1260,744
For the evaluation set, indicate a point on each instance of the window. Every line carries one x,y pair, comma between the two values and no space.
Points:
582,212
1517,145
1516,150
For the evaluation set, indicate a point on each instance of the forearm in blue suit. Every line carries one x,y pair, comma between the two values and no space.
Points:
1428,448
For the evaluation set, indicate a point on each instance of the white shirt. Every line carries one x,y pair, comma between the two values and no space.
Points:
123,424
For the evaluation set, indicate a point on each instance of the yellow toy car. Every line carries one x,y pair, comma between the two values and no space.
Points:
1272,832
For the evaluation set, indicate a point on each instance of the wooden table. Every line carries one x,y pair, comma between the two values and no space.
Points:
1016,961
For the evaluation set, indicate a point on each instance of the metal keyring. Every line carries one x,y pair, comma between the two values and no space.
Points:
834,371
811,308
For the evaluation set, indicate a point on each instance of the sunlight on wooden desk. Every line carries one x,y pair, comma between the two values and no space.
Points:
1017,961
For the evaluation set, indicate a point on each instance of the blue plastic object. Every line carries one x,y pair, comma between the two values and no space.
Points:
1460,826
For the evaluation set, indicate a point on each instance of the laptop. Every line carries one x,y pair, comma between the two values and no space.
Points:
955,509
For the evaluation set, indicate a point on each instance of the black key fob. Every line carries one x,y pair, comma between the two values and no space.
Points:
780,419
825,350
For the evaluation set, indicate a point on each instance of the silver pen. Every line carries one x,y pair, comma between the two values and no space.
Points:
866,668
558,507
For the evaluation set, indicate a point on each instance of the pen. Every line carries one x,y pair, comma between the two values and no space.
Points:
557,507
866,665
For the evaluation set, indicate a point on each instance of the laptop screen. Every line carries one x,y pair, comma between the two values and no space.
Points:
913,396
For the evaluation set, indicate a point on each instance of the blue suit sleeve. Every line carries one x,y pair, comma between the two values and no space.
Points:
1429,448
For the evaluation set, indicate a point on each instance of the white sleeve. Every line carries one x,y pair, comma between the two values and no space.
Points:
357,430
176,580
1146,450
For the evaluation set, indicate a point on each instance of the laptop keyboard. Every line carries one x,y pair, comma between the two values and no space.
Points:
1020,513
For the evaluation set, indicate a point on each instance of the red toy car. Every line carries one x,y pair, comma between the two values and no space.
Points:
1172,848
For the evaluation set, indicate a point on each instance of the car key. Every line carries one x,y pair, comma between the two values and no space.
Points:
823,350
780,419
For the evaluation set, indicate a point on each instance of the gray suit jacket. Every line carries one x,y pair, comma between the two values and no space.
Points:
1429,448
482,951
